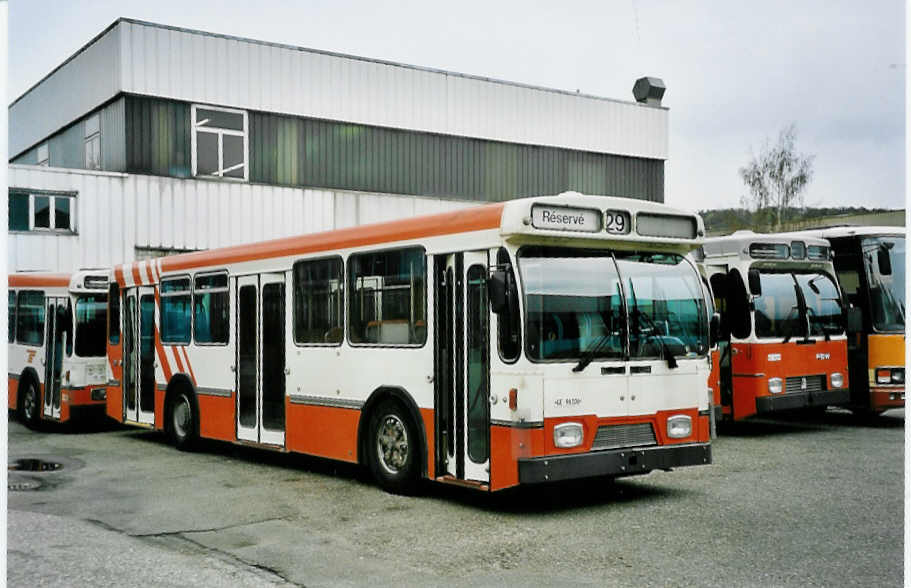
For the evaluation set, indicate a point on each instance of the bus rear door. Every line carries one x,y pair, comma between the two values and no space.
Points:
57,334
139,355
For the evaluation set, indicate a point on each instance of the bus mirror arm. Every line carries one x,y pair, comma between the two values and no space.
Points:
496,291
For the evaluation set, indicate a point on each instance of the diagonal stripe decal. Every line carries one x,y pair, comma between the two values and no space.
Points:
189,367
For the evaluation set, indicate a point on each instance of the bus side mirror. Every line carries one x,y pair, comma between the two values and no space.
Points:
496,291
753,279
884,260
854,320
714,329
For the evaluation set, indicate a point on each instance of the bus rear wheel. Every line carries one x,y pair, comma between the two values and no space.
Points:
392,448
183,420
30,405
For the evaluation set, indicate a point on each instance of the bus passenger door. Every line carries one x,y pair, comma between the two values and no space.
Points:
139,355
261,358
465,366
55,346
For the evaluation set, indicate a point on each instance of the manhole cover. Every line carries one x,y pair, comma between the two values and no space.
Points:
20,485
34,465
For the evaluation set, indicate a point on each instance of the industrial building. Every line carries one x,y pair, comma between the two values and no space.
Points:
154,139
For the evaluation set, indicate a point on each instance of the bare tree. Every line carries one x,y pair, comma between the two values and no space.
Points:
777,177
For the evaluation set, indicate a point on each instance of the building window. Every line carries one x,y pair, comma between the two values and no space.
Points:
43,155
211,308
175,311
219,142
318,301
41,211
93,142
387,297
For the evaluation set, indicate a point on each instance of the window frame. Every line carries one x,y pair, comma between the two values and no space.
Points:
350,293
162,294
226,290
51,195
89,138
344,313
219,132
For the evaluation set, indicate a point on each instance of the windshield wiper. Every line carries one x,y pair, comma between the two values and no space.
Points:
593,350
671,360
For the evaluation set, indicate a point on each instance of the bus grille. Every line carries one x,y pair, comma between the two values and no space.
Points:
617,436
814,384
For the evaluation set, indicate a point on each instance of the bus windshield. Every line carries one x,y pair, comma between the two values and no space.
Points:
91,325
887,292
581,301
791,301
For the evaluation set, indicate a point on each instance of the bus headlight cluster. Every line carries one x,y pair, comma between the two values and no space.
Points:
775,385
568,435
890,375
838,380
679,426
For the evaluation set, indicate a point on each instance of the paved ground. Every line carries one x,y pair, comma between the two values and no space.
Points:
787,503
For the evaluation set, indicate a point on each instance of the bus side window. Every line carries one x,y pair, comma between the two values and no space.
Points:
12,316
387,300
175,311
509,330
318,301
114,314
211,308
30,317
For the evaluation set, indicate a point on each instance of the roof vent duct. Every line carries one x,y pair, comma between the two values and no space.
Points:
649,91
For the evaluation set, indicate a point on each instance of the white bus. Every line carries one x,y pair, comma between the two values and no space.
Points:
57,345
534,340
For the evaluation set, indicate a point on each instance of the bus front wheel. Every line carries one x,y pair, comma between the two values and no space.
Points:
30,405
392,448
183,420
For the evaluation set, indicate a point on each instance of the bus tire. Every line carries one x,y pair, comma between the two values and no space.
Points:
29,403
182,419
392,448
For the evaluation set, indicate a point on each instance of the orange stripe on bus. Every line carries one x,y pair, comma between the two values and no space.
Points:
19,280
472,219
162,356
137,279
179,361
186,358
118,275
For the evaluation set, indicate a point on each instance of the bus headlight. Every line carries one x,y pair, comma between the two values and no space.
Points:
568,435
838,380
898,375
679,426
775,385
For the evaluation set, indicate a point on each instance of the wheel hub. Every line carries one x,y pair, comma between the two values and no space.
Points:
392,444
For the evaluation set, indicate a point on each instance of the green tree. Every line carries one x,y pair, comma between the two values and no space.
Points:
777,177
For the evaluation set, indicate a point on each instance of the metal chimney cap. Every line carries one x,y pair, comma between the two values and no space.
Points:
649,91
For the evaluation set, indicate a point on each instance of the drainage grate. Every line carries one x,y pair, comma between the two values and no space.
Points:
34,465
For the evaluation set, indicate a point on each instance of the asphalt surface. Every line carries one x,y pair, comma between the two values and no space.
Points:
791,502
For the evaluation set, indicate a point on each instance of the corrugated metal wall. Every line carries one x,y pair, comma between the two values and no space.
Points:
154,60
85,82
113,136
295,151
118,212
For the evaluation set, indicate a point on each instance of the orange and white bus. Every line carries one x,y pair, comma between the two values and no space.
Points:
782,343
534,340
870,263
57,345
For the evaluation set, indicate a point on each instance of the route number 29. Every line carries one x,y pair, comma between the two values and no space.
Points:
616,221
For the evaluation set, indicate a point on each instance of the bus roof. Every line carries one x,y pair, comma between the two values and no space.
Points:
739,242
87,280
853,231
510,218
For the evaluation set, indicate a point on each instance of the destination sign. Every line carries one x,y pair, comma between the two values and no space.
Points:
564,218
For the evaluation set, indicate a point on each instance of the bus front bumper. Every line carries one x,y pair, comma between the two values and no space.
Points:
615,462
797,400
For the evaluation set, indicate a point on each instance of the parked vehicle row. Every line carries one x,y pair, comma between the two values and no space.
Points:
522,342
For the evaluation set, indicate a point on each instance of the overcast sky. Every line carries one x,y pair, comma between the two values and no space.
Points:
736,72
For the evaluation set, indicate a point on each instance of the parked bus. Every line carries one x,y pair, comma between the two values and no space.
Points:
870,263
57,345
534,340
782,343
